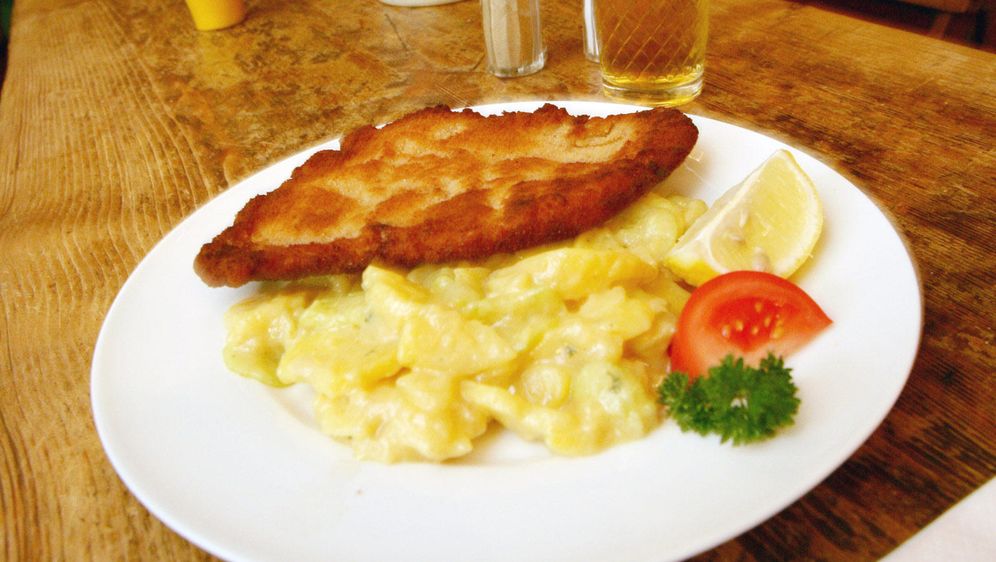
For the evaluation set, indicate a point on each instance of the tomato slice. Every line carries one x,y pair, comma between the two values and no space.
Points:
746,313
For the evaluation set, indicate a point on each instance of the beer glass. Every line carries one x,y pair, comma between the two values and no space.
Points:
652,52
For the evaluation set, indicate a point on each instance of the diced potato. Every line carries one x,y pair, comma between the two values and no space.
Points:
617,314
335,312
442,340
608,404
419,418
691,209
574,338
339,284
649,228
521,318
514,412
571,272
545,384
392,296
341,344
452,286
650,347
259,330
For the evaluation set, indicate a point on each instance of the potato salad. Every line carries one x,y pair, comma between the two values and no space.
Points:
563,344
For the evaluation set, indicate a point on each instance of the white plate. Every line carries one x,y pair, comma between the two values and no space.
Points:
241,470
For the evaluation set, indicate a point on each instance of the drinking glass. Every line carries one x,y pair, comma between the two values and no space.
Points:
652,52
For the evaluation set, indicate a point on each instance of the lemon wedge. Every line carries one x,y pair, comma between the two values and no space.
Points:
769,222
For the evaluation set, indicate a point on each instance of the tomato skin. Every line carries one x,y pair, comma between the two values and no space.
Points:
746,313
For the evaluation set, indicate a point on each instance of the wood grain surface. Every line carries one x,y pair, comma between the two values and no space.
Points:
118,119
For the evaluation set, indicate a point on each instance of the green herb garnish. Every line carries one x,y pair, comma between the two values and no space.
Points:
736,401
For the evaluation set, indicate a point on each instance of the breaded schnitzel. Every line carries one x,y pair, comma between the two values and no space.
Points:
438,185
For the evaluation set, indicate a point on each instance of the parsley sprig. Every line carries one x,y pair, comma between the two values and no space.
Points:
742,404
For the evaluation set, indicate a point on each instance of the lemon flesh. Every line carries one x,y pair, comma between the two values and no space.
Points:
769,222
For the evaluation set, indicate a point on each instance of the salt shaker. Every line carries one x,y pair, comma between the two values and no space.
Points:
512,37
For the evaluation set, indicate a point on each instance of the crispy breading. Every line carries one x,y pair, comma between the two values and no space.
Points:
438,185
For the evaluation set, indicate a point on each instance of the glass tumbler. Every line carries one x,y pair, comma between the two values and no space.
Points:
652,52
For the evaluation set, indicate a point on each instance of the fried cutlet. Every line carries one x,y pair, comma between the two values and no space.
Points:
438,185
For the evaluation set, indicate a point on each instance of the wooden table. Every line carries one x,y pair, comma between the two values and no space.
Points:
117,119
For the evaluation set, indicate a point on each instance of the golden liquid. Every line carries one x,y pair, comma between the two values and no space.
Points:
651,45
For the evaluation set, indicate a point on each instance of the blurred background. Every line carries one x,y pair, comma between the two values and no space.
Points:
5,6
969,22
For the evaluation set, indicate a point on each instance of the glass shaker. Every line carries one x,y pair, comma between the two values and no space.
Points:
512,37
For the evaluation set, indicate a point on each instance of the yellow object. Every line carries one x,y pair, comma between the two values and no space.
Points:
216,14
652,51
563,344
769,222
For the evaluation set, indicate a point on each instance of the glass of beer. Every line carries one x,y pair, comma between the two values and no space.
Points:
652,52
